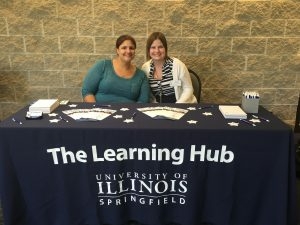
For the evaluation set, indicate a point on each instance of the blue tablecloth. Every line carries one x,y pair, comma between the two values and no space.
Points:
193,171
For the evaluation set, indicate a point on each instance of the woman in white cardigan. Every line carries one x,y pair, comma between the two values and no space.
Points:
169,78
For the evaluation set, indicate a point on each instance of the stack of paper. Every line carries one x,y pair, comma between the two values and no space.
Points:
44,105
232,112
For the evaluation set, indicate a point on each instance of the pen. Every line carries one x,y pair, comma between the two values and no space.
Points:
101,105
246,121
17,121
133,115
206,107
261,118
60,117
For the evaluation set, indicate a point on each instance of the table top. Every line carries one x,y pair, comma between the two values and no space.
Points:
197,117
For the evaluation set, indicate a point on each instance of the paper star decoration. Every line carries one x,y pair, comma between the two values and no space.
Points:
118,116
207,114
72,105
233,124
128,121
54,121
52,114
255,120
192,121
191,108
124,109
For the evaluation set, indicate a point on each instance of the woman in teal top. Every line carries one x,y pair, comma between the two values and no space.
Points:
117,80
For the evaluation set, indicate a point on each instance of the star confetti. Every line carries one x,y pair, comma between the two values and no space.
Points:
192,121
54,121
233,124
118,116
128,121
255,120
207,114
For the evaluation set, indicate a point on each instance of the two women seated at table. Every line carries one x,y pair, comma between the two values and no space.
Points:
118,80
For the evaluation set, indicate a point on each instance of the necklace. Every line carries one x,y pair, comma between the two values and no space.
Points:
157,73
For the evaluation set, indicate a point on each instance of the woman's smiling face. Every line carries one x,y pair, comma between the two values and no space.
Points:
126,51
157,51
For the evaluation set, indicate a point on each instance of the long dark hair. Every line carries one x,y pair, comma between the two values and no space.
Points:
123,38
156,36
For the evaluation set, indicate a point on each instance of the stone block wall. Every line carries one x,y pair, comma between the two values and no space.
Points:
46,46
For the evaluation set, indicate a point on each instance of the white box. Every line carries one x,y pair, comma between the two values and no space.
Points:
44,105
250,105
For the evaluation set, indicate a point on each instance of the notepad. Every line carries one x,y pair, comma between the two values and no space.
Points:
232,112
44,105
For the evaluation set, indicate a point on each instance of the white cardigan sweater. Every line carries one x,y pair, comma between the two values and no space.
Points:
184,91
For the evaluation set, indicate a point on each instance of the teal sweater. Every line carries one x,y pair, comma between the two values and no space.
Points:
107,87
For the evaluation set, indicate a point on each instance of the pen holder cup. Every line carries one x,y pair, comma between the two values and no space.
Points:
250,105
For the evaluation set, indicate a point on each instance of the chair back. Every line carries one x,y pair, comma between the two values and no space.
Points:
297,121
196,84
297,139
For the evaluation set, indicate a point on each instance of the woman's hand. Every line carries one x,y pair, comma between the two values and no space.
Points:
89,98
